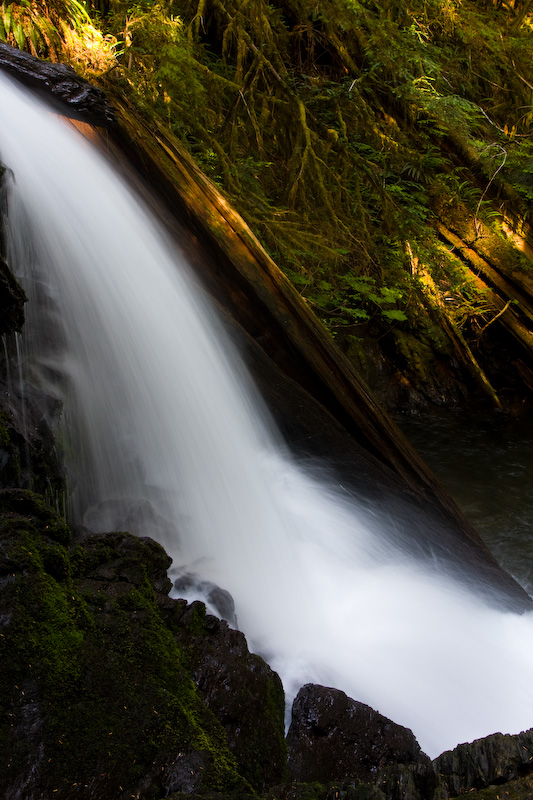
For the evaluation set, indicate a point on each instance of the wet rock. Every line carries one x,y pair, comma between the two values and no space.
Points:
494,760
58,83
241,690
219,599
333,737
29,455
12,299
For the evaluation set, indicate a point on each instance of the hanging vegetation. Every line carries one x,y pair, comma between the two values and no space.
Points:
347,134
61,30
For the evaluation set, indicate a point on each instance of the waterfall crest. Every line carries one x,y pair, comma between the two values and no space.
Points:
164,435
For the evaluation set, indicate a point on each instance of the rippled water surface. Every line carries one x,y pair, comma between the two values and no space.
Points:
485,461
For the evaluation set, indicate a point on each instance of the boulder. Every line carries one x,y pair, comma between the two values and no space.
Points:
334,738
241,690
96,695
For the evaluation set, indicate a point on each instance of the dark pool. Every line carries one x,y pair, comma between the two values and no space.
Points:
485,461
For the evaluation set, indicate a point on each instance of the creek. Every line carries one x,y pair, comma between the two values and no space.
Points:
165,435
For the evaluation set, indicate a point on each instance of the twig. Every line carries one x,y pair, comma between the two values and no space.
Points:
504,309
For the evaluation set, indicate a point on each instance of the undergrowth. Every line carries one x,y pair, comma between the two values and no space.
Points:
342,132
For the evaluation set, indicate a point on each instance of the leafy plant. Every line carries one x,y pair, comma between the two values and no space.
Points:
61,29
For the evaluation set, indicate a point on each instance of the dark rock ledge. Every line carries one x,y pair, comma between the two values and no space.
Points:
111,689
354,753
58,84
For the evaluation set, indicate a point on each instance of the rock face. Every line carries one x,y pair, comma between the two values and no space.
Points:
333,737
494,760
241,690
97,693
12,299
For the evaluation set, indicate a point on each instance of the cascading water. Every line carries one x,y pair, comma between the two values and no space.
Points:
164,435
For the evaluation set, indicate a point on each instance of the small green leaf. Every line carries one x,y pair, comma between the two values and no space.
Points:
8,18
18,33
394,313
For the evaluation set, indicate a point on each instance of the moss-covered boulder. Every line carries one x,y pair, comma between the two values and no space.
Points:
242,691
96,695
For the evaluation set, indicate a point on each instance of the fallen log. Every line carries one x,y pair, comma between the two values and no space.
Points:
511,303
71,94
329,405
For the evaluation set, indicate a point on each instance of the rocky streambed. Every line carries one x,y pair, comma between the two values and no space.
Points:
109,688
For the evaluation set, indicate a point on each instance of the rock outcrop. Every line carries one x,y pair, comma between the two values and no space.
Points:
97,693
241,690
333,737
109,688
491,761
348,751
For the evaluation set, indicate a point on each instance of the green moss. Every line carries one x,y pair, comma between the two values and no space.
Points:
94,659
24,507
197,619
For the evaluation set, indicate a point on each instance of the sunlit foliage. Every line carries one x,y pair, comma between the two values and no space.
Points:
57,30
343,131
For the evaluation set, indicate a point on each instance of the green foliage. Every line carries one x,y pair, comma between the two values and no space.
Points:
518,170
57,30
157,56
353,300
304,125
340,131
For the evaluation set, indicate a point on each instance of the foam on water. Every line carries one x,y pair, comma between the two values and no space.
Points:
164,435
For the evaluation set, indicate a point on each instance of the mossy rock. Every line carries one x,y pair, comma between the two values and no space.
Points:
242,691
96,697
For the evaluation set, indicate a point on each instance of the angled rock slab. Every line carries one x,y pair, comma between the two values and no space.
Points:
335,738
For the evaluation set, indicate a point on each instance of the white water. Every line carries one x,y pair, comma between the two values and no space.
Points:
165,436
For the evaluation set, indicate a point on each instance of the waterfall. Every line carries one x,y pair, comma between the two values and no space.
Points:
164,435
